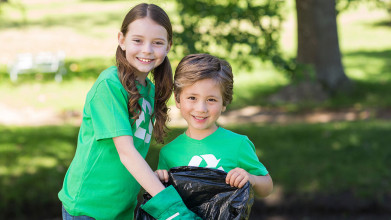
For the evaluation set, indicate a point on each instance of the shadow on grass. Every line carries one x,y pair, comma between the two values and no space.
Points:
341,166
328,168
33,165
384,23
376,65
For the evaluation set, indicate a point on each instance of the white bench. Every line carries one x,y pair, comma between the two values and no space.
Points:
43,62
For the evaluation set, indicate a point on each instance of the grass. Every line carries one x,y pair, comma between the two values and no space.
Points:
33,163
303,159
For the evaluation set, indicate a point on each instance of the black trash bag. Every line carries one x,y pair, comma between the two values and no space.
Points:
204,191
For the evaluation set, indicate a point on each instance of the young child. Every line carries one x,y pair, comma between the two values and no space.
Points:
121,110
203,87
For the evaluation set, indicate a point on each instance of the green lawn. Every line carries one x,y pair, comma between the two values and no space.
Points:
303,159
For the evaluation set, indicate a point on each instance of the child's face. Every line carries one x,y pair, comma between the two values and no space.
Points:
145,45
201,105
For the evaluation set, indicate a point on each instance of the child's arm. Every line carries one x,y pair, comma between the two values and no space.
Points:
139,168
136,165
262,185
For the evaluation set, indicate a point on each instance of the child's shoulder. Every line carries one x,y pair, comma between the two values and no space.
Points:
108,78
174,143
232,138
231,134
110,73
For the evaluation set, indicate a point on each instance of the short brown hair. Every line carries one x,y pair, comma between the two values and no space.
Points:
196,67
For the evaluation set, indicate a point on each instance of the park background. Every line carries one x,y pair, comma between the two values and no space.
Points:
328,151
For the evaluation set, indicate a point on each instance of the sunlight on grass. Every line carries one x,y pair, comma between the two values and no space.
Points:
67,95
359,29
31,165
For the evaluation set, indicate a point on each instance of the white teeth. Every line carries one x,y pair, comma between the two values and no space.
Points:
145,60
199,118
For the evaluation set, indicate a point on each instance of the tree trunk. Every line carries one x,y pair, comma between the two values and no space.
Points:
318,42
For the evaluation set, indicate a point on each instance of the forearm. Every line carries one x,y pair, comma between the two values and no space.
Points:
136,165
262,185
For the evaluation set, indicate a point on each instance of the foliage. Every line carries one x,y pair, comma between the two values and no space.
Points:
343,5
13,5
235,30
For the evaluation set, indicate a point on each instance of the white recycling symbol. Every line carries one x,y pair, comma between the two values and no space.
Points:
141,132
210,159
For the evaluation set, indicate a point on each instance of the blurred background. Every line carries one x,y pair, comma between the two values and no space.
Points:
312,91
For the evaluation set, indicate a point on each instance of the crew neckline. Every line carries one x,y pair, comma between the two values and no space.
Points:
203,139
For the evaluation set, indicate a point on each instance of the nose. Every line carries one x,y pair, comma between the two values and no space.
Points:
201,107
147,48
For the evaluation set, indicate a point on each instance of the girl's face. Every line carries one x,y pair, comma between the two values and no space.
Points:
201,105
145,45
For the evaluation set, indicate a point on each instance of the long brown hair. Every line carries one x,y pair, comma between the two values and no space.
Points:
196,67
162,75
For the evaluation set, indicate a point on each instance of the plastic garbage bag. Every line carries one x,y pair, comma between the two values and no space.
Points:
205,192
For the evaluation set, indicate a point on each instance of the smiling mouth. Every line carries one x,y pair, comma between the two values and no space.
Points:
144,60
199,118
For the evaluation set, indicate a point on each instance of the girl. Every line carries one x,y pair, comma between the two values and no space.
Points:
108,168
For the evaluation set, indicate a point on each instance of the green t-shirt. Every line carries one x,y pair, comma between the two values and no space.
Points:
97,184
224,150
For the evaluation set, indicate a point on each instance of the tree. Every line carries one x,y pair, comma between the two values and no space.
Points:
318,42
239,29
231,29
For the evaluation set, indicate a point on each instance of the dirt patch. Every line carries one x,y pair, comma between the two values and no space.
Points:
36,40
29,116
301,92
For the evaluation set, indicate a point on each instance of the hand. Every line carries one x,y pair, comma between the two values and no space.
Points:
162,175
237,177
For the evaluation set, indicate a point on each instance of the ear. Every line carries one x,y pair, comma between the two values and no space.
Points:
169,47
177,103
223,110
121,40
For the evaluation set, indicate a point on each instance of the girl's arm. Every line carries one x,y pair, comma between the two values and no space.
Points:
136,165
173,205
262,185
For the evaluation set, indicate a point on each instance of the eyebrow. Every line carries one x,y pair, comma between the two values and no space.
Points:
141,36
196,94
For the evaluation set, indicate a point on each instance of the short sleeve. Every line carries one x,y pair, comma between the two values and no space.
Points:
109,111
248,159
162,165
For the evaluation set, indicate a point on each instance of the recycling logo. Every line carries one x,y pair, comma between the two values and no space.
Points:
141,132
210,159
